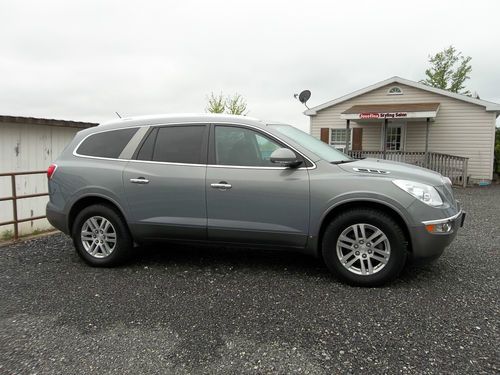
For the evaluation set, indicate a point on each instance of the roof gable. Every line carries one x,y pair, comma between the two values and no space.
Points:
489,106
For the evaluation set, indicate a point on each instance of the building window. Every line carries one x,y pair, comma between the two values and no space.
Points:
393,138
395,90
338,138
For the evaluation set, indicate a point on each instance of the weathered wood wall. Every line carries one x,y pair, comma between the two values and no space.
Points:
28,147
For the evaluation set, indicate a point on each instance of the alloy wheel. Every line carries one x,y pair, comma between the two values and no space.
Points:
98,237
363,249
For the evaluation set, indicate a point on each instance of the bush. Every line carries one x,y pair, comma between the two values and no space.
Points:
496,163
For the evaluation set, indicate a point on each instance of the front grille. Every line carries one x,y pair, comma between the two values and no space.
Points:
370,170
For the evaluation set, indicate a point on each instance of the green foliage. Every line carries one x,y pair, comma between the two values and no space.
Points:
496,167
234,105
216,103
6,235
449,70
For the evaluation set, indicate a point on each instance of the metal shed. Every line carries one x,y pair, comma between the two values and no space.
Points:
30,144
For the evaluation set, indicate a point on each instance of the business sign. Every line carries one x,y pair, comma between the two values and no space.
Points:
378,115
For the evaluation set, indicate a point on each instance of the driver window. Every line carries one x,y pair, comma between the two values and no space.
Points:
243,147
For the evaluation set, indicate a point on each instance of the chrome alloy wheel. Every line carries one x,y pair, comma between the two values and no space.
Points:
98,237
363,249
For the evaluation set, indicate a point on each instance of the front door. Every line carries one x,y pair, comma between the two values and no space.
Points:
395,136
250,199
165,184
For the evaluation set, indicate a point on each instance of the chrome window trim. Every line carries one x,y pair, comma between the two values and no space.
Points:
190,164
166,162
442,221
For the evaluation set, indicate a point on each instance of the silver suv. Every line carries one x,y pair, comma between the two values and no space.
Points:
237,180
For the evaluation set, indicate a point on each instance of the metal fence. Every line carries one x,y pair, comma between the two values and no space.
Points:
14,198
454,167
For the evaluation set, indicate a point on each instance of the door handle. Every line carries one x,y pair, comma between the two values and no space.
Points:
223,185
140,180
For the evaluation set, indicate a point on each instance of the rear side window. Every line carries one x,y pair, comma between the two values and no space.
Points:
108,144
175,144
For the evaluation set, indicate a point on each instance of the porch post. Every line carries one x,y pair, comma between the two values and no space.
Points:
426,160
347,138
384,135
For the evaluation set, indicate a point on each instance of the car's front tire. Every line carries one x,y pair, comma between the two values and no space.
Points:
364,247
101,237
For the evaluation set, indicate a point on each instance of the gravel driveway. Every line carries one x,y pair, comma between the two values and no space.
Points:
216,310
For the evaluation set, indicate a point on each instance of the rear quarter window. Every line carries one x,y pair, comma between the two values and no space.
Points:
108,144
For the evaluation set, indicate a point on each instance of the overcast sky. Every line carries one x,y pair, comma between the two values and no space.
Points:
84,60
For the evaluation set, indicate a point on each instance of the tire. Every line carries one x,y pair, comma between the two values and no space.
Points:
360,238
110,245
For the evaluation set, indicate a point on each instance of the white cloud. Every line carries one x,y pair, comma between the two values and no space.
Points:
84,60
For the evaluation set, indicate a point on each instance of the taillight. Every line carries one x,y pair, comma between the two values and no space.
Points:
50,171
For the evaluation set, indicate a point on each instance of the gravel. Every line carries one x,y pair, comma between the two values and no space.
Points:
216,310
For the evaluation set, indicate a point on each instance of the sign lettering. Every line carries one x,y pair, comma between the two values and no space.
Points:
377,115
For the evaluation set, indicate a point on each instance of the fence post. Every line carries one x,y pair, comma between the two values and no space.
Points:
14,206
464,173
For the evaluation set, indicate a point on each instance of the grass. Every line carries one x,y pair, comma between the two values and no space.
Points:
8,235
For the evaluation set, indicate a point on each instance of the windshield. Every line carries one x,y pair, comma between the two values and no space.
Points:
320,148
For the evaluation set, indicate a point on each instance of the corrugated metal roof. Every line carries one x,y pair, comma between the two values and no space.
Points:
46,121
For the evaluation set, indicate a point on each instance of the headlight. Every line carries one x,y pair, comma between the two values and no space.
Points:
423,192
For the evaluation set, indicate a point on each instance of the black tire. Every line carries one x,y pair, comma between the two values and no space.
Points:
123,243
373,218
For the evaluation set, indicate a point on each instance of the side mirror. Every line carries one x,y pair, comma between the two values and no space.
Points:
285,157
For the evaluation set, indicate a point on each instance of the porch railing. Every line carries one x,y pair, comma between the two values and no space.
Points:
454,167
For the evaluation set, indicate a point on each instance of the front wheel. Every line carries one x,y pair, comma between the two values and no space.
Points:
364,247
101,237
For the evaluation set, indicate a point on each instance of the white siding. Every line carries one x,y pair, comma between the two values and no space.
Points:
460,128
25,147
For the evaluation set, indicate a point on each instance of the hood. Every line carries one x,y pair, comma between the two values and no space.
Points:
393,170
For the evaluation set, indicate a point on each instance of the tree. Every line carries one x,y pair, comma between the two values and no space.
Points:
216,103
234,105
449,70
496,160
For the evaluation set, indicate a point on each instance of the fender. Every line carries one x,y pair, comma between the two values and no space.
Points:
94,192
350,198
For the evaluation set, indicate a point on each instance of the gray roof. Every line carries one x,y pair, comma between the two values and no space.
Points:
46,121
181,118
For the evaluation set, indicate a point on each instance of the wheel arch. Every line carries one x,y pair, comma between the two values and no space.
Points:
90,200
390,210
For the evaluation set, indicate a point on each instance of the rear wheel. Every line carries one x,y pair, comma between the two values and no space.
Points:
101,237
364,247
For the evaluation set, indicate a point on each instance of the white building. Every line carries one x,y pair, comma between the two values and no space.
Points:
30,144
411,122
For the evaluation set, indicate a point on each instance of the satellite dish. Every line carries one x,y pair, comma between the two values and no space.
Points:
304,96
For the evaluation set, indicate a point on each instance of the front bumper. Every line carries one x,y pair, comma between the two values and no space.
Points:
428,246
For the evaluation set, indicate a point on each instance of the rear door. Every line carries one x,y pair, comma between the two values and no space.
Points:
165,183
250,199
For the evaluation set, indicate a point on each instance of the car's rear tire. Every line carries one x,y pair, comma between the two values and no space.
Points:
364,247
101,236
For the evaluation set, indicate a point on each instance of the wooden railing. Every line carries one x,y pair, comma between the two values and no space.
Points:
14,198
454,167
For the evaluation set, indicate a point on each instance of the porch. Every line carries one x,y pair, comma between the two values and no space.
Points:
404,132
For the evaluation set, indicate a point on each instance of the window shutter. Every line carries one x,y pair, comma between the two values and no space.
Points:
325,134
357,139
